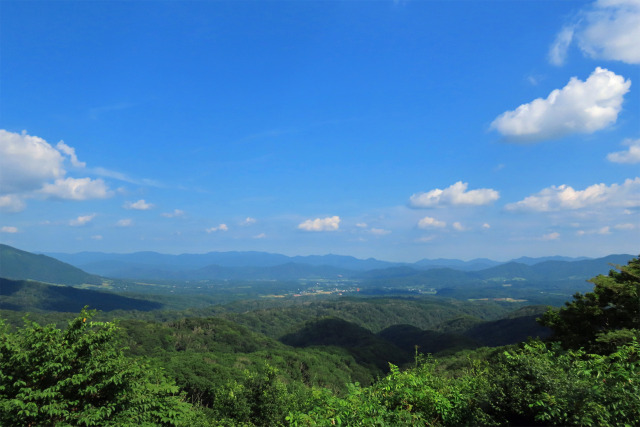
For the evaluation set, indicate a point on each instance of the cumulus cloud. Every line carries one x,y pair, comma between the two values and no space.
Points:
11,203
76,189
321,224
127,222
82,220
221,227
140,205
486,226
564,197
248,221
175,214
31,167
260,236
455,195
602,231
579,107
9,229
362,225
609,29
26,162
625,226
429,222
551,236
379,231
459,227
631,155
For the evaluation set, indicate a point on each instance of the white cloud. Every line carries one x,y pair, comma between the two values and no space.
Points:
551,236
260,236
26,162
97,237
632,155
455,195
362,225
140,205
558,50
221,227
248,221
9,229
82,220
611,30
602,231
71,152
625,226
127,222
425,239
579,107
30,167
175,214
11,203
379,231
564,197
429,222
486,226
321,224
76,189
459,227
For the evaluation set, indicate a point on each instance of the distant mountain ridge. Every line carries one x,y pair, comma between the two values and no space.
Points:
232,264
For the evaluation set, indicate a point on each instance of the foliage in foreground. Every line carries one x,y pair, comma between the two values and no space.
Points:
79,376
532,385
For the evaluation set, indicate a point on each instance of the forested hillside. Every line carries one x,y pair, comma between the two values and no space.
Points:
323,360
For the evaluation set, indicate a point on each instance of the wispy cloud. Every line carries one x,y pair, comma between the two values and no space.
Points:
221,227
177,213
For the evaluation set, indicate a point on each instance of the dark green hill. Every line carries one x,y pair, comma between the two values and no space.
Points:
22,295
407,337
21,265
366,348
374,314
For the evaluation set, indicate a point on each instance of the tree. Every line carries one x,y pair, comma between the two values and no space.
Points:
80,376
603,319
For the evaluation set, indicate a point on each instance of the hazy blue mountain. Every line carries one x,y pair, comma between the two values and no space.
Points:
21,265
472,265
437,273
531,261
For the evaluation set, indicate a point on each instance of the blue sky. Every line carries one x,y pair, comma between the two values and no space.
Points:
399,130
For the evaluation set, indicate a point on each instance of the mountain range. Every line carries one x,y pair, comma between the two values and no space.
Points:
446,276
263,265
